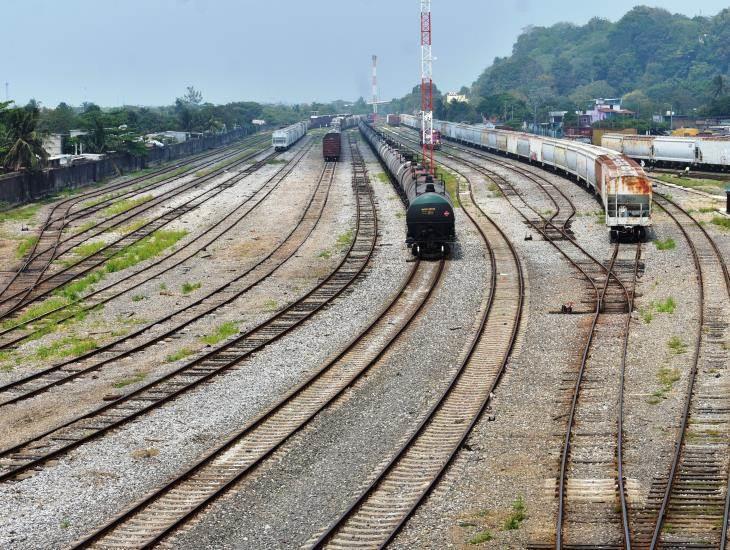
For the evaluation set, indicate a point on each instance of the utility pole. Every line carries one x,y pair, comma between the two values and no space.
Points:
426,87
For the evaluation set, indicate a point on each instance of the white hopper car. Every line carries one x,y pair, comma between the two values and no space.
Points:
284,138
711,153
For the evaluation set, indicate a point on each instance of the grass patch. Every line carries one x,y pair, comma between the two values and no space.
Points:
667,378
84,228
20,214
270,305
138,377
325,254
138,297
132,227
515,519
480,537
400,215
37,310
676,344
128,257
88,249
187,288
180,354
98,200
666,244
143,250
69,346
647,314
25,246
707,209
382,177
601,218
345,239
125,205
702,184
452,186
721,222
224,331
276,161
667,306
494,188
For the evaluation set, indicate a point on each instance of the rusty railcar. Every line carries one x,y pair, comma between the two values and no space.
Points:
332,146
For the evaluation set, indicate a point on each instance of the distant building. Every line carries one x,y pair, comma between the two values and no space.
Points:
259,122
456,96
603,109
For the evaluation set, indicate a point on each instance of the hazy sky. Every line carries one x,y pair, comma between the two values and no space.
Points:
147,51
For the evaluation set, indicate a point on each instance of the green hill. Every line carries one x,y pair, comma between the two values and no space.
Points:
650,57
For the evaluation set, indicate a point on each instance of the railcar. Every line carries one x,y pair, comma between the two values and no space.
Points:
284,138
621,184
430,226
392,120
332,146
705,152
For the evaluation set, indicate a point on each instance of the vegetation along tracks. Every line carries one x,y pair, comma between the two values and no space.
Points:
33,454
46,244
172,323
690,506
388,500
24,291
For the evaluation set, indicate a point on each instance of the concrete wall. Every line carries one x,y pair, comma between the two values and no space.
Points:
21,187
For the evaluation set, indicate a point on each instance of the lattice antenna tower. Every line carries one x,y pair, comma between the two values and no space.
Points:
375,87
426,87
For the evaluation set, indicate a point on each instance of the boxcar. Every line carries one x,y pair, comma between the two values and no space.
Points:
332,146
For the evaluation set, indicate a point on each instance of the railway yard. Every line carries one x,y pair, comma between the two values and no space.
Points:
238,350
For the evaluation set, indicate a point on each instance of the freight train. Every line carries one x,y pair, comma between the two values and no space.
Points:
430,226
284,138
392,120
707,153
621,184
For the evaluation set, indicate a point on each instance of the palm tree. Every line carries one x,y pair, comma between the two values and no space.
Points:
25,141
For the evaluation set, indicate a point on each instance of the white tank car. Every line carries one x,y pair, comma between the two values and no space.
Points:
284,138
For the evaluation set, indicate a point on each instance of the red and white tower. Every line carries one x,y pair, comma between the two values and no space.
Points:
426,86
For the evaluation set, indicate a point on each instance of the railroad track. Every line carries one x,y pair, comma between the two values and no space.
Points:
592,503
166,510
46,247
33,454
9,337
170,325
689,507
22,291
608,295
389,499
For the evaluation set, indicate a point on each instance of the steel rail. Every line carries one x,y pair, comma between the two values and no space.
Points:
4,344
389,523
44,286
218,361
599,296
247,446
66,216
74,368
687,408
